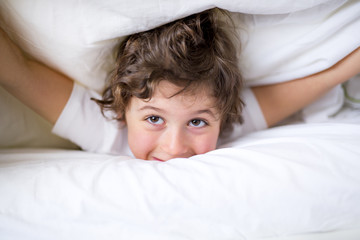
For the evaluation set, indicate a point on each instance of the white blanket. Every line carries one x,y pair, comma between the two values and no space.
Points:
284,181
282,40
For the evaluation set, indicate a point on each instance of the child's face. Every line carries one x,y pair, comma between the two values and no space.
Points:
172,127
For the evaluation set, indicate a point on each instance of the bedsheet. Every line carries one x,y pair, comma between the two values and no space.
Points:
282,182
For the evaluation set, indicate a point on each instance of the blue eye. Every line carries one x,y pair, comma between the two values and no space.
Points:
155,120
197,123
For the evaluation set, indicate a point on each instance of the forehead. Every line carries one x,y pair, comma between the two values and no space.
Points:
168,90
168,95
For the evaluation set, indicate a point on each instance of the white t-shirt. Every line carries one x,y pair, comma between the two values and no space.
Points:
82,122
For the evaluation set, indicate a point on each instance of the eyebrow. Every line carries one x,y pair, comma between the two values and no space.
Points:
206,111
151,108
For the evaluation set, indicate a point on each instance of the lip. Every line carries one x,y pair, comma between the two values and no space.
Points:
157,159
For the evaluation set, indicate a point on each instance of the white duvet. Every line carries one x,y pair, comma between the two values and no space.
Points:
284,181
287,181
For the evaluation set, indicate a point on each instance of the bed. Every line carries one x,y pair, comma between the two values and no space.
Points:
298,180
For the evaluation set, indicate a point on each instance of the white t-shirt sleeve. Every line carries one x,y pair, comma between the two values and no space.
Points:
82,122
252,115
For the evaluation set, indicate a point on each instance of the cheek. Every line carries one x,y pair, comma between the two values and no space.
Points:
205,143
140,142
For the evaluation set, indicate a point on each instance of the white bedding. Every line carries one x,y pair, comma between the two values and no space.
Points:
284,181
292,182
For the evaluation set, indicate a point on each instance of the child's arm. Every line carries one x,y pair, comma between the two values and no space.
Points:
36,85
279,101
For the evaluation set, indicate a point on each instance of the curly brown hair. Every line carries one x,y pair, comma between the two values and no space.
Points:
193,52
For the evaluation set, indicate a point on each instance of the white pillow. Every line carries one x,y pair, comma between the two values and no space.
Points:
78,38
280,182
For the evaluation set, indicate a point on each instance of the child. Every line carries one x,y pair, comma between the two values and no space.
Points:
175,88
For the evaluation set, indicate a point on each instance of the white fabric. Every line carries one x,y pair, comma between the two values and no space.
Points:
284,181
21,127
281,41
82,123
252,115
282,47
352,234
352,89
323,109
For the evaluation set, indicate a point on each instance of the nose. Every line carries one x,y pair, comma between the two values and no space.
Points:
175,143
